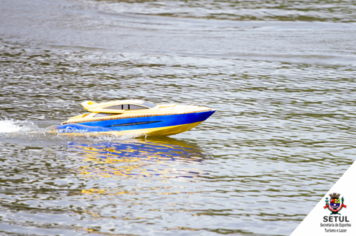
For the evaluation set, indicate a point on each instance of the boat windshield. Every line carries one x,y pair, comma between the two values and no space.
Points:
148,104
105,114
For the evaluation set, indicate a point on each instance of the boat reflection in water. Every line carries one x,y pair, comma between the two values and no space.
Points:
163,158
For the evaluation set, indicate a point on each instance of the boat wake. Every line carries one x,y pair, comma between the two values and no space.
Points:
9,126
16,130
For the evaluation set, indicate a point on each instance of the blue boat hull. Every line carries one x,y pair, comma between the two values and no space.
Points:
159,122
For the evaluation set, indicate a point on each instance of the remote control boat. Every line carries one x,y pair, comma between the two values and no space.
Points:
135,117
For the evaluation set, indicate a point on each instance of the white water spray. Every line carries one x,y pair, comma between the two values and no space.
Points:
17,129
13,126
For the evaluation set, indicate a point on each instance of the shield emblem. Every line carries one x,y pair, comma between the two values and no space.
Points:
335,203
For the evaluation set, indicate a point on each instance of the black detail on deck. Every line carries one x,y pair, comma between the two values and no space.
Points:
134,123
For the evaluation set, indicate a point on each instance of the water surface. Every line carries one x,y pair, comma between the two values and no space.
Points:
281,75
